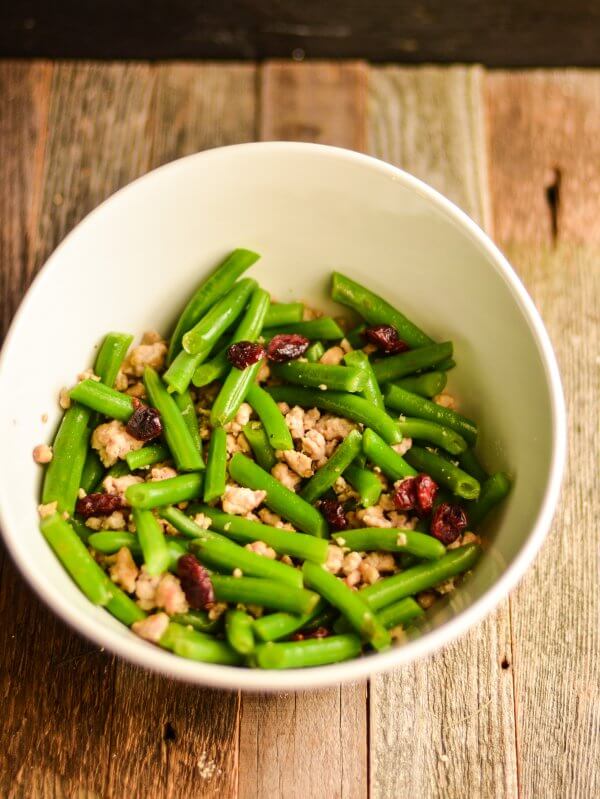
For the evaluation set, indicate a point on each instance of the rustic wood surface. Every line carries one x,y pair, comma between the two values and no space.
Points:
512,709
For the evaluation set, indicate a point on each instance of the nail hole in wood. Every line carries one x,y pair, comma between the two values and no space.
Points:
169,733
505,664
553,199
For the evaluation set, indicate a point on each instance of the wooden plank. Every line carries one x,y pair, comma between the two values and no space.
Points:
544,133
308,744
451,714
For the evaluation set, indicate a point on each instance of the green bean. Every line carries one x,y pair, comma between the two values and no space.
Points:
446,365
444,472
348,602
74,556
368,539
157,493
315,352
225,556
238,630
62,478
185,403
216,465
348,405
111,354
81,529
337,464
206,335
312,652
256,436
111,541
280,625
279,498
406,363
245,531
238,381
402,612
107,401
184,524
375,309
284,313
420,578
175,429
123,607
493,491
93,471
319,375
152,541
370,390
365,483
147,456
212,370
271,417
198,646
412,405
264,593
434,434
197,619
118,469
381,454
209,291
324,619
426,385
324,328
356,336
468,461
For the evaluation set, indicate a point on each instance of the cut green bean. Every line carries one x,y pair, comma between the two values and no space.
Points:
74,556
284,313
197,619
245,531
433,433
407,363
107,401
194,645
493,491
123,607
321,375
426,385
375,310
412,405
175,430
216,465
279,498
279,625
420,578
381,454
81,529
239,633
157,493
185,403
111,355
350,604
402,612
444,472
315,352
152,541
186,526
147,456
324,328
212,370
468,461
349,405
369,539
337,464
209,292
366,483
62,478
356,336
303,654
271,417
264,593
111,541
262,450
93,471
370,391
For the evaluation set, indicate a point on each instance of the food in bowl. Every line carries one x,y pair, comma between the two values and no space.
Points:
289,494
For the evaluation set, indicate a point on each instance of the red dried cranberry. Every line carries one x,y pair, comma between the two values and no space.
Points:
195,581
245,353
426,491
448,522
386,339
287,347
333,511
405,494
98,505
320,632
144,423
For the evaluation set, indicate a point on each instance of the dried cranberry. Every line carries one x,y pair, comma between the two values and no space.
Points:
245,353
320,632
333,511
98,505
287,347
415,493
195,581
144,423
386,339
448,522
405,494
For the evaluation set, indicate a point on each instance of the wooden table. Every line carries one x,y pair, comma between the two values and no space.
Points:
512,709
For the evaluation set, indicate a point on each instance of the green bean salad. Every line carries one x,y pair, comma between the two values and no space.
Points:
268,487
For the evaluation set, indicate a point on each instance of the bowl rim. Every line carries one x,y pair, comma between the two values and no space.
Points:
234,678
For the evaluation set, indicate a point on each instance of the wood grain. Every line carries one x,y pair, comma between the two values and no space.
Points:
545,125
445,725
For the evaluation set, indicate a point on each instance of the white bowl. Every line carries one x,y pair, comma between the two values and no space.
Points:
308,209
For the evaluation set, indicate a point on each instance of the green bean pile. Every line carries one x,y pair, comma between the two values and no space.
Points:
294,509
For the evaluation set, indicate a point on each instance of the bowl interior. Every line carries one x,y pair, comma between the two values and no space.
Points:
131,264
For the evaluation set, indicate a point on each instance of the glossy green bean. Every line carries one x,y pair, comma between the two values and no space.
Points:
111,541
279,498
123,607
111,355
175,429
197,619
182,522
315,352
262,450
216,465
158,493
426,385
303,654
215,369
375,310
493,491
62,477
337,464
93,471
185,403
152,541
407,363
324,328
103,399
194,645
284,313
412,405
209,292
468,461
402,612
366,483
279,625
444,472
356,336
349,405
433,433
381,454
369,539
321,375
147,456
370,391
239,632
271,417
264,593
